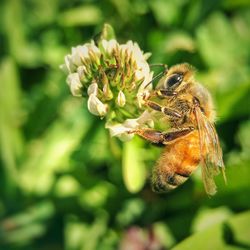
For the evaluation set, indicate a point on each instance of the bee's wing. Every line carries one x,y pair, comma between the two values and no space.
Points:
210,150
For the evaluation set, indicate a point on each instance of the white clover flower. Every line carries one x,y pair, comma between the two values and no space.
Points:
115,78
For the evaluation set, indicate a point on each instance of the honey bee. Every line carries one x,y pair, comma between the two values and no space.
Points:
192,139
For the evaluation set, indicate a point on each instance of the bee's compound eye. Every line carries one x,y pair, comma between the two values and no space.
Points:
174,79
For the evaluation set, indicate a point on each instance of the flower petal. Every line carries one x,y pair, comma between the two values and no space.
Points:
75,85
121,130
96,107
69,66
81,70
109,46
93,89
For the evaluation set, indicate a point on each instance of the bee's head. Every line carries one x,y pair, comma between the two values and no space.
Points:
177,77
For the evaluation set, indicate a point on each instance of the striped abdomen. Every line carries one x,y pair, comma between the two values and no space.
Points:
177,162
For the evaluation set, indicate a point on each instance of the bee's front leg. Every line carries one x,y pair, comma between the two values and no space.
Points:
164,110
158,137
163,93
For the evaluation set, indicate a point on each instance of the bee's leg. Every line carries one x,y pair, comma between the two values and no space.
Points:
173,135
162,93
165,110
165,93
159,137
151,135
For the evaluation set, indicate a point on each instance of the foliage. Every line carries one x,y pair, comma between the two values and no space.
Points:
64,182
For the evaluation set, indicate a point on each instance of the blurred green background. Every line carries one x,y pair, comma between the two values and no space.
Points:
64,184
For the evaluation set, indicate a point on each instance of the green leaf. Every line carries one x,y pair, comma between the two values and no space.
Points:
80,235
164,234
67,186
81,16
51,152
166,12
124,9
179,41
20,48
232,234
244,137
130,211
10,120
26,225
134,170
232,4
96,196
232,104
219,43
207,217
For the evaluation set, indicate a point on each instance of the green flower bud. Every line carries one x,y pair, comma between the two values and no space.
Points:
121,99
108,95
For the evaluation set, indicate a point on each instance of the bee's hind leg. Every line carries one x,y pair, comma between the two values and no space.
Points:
151,135
173,135
161,138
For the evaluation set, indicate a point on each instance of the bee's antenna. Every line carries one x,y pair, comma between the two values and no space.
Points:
160,74
165,66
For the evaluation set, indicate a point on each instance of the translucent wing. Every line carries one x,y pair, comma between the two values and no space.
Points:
211,153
